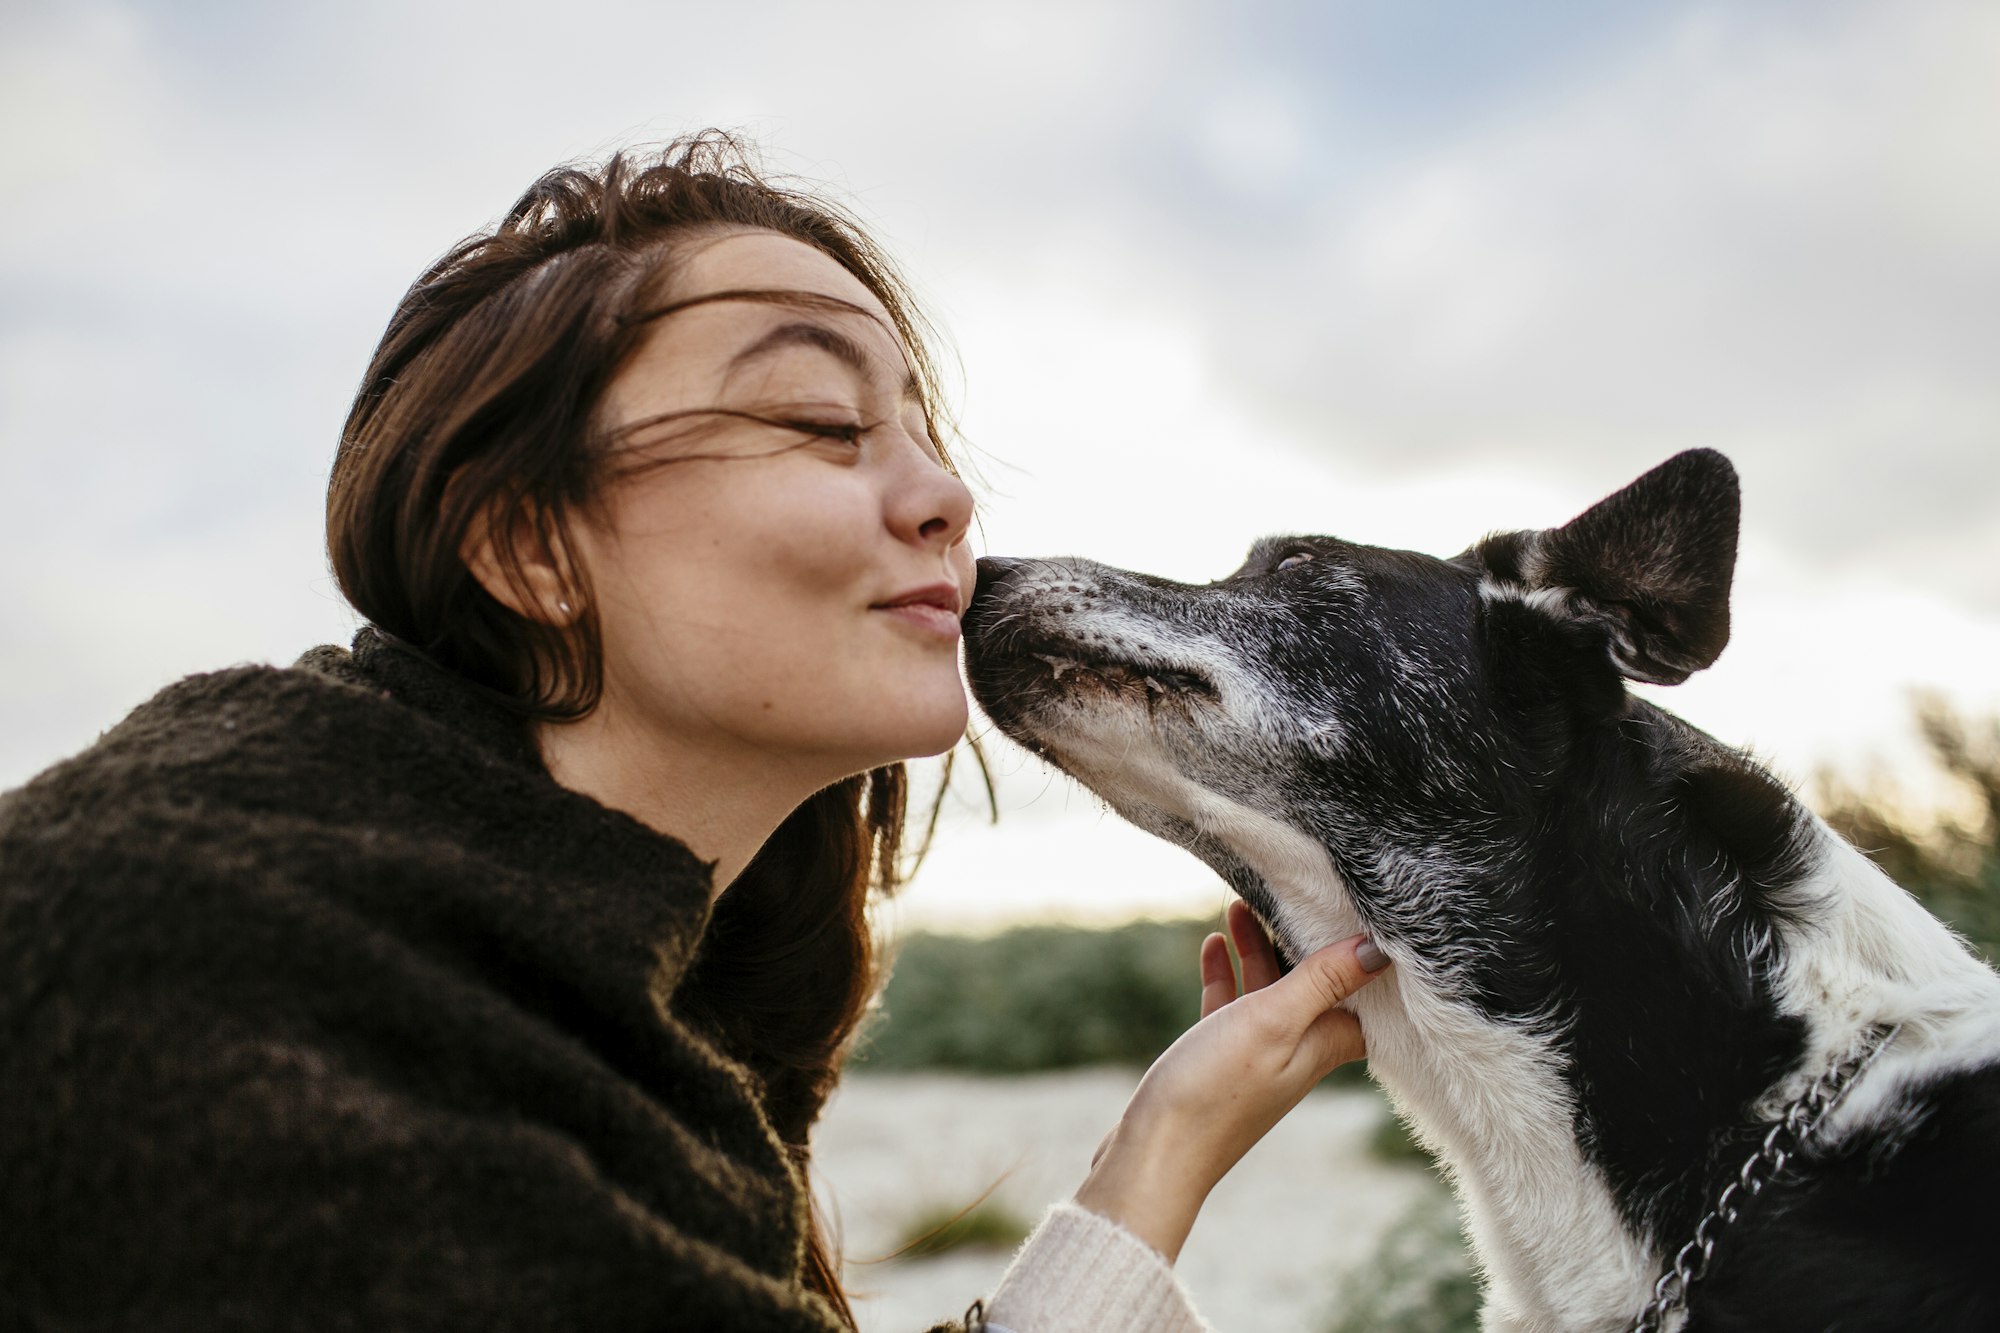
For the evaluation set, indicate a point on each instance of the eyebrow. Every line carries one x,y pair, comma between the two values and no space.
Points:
803,333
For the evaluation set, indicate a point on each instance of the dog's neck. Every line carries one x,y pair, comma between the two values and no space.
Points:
1579,1069
1490,1100
1584,1143
1581,1136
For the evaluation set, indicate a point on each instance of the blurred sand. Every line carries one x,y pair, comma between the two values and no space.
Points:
1307,1202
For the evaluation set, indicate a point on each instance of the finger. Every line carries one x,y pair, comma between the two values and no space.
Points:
1333,1039
1218,981
1320,981
1253,946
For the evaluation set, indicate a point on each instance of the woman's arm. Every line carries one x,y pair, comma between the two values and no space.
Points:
1205,1101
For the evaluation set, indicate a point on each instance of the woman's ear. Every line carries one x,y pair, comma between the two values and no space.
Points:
520,560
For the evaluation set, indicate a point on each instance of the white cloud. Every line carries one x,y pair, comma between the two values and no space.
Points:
1250,135
1771,231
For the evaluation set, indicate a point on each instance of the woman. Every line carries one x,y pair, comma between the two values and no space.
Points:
492,974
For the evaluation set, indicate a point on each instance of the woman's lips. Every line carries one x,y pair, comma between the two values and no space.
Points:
926,616
934,609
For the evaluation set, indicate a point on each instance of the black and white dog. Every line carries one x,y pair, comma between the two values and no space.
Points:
1623,951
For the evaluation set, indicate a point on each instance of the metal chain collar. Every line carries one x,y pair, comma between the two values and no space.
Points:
1783,1141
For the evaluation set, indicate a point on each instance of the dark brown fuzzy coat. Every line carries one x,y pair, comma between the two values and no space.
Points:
322,1006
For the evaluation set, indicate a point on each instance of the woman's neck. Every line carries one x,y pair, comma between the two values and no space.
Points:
724,805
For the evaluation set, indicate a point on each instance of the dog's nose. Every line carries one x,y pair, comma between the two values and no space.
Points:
993,570
991,573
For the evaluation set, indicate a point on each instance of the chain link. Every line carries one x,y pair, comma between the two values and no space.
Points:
1783,1141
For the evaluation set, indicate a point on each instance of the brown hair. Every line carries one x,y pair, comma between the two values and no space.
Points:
482,399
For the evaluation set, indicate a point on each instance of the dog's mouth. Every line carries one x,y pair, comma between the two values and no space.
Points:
1071,670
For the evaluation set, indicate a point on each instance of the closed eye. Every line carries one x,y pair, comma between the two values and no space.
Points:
847,432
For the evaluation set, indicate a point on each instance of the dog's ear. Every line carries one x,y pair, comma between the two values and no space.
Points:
1649,566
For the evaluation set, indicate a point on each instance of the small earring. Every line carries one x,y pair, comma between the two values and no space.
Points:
563,607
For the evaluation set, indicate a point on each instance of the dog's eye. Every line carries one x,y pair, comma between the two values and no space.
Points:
1296,558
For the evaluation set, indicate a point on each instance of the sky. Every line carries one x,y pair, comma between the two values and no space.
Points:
1402,272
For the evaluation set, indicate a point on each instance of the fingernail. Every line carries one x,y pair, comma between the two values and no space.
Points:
1369,954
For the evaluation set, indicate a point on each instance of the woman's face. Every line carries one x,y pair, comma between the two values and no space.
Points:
787,592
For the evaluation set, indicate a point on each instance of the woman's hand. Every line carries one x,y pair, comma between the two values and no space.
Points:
1228,1079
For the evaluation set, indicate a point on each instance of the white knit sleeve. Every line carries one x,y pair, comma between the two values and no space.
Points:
1080,1272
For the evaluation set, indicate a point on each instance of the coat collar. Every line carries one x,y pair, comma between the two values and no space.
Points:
599,894
412,678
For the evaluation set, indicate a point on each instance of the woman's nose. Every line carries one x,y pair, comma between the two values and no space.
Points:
931,507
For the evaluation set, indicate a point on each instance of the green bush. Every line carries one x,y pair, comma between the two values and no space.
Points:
1038,997
1953,869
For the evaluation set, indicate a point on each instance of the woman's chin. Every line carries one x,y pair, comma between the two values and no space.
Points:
925,732
935,741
